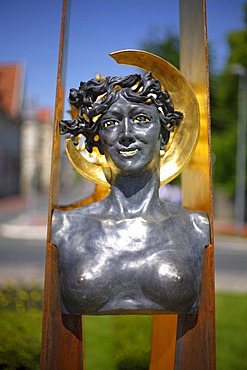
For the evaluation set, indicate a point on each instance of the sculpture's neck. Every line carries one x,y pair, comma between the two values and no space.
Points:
135,196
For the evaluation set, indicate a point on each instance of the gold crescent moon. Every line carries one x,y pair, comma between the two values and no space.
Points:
184,140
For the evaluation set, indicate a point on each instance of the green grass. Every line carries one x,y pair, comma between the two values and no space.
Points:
231,331
99,342
111,342
133,333
133,342
117,342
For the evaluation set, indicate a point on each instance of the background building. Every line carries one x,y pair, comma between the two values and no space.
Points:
11,98
25,137
36,141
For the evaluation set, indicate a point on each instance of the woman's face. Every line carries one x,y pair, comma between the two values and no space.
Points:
130,137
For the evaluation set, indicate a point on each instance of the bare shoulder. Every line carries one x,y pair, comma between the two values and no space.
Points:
201,224
61,224
92,209
68,222
197,222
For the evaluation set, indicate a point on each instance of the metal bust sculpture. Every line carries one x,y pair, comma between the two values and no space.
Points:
130,253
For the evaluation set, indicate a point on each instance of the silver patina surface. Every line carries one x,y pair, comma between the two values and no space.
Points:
131,253
110,265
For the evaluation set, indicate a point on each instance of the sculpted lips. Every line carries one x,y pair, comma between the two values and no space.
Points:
128,152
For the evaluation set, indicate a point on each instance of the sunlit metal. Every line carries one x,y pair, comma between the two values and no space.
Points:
183,142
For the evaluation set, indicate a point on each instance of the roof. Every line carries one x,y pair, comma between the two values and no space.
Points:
11,89
44,115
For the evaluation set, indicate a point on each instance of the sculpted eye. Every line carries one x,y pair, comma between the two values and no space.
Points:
141,118
110,123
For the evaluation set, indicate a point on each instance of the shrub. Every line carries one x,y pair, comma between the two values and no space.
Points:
20,334
20,339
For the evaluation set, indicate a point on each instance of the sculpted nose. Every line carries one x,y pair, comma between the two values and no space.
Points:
126,136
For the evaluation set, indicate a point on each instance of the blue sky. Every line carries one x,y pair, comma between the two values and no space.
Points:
29,33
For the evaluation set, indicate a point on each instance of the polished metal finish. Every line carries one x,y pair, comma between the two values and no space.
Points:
148,264
181,145
61,335
130,253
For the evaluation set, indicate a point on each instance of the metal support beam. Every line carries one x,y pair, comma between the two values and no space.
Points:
194,347
62,334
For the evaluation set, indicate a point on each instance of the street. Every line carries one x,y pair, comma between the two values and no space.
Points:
22,260
231,258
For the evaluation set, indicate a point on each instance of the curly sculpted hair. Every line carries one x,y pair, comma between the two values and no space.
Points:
93,98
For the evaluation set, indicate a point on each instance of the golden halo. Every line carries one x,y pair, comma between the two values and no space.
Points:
184,140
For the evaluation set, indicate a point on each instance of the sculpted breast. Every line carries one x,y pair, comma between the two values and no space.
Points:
172,283
106,267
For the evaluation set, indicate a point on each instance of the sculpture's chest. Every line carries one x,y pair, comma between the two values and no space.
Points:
126,266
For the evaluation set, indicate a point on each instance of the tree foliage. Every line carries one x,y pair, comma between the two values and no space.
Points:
224,98
225,108
166,47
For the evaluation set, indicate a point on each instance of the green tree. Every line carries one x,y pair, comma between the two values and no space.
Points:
224,98
166,46
225,108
